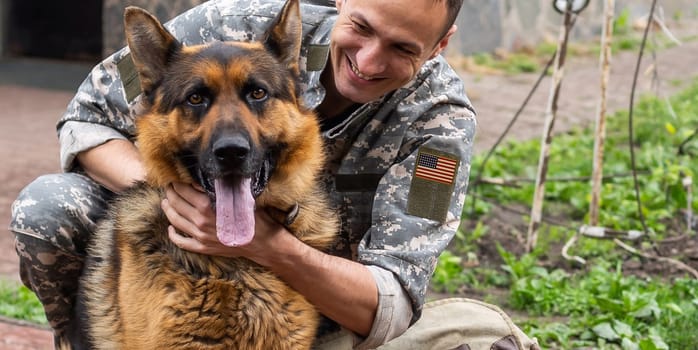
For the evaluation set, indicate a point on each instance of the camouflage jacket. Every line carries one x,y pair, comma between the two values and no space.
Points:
398,166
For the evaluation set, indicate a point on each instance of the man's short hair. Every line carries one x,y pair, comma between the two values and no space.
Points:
452,9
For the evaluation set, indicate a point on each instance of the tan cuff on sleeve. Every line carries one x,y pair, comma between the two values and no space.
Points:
394,310
76,137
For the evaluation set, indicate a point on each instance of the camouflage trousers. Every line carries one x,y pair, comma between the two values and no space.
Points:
53,219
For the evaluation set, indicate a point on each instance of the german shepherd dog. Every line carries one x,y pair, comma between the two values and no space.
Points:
228,117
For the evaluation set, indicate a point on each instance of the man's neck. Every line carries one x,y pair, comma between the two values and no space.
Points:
334,103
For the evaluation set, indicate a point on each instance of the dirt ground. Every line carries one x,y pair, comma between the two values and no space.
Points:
497,98
34,93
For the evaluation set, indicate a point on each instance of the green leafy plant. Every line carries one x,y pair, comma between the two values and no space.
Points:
621,23
603,306
449,273
20,303
600,306
658,133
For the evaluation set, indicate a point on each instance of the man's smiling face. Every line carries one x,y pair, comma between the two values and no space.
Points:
379,46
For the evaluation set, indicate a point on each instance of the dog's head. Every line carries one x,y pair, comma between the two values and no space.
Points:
225,115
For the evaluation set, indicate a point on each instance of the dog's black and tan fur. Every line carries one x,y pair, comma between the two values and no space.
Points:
227,111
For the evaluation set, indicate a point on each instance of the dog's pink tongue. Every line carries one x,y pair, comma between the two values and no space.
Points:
234,213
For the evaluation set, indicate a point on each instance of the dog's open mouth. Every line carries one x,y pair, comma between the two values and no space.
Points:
234,198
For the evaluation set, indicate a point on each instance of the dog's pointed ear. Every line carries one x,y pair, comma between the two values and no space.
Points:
151,45
284,37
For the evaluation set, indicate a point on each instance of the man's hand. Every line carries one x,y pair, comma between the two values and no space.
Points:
189,210
341,289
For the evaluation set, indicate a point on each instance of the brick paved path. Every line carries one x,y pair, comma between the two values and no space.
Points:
15,335
33,95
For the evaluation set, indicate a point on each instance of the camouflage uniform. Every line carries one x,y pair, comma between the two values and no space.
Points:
397,172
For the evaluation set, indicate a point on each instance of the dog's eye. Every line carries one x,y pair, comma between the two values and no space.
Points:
195,99
258,94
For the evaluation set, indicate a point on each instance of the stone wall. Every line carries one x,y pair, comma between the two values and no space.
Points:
512,24
113,17
4,7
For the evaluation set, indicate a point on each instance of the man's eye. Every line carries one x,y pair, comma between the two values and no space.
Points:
195,99
360,27
406,51
258,94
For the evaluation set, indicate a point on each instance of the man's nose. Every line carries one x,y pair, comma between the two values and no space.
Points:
371,59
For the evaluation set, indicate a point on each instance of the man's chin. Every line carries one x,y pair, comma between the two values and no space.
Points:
356,95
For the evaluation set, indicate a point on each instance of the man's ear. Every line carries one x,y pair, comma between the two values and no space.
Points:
441,45
151,45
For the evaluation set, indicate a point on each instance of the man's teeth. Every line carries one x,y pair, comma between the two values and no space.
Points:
356,71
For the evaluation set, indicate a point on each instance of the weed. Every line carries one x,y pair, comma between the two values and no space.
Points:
20,303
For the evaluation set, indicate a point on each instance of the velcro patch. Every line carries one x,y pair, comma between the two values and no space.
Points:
433,182
129,78
317,57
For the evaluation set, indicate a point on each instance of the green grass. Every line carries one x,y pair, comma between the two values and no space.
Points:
18,302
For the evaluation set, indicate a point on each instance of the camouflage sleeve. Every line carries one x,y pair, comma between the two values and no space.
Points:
75,137
99,101
417,207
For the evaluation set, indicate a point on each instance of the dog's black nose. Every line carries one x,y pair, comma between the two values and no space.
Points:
231,148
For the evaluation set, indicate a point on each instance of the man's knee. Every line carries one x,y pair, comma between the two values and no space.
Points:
59,208
460,323
52,219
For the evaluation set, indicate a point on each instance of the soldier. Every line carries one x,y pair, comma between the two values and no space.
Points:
398,129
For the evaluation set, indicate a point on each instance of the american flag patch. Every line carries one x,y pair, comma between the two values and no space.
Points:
436,168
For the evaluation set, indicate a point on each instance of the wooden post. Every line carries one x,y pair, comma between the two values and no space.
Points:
546,140
600,134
